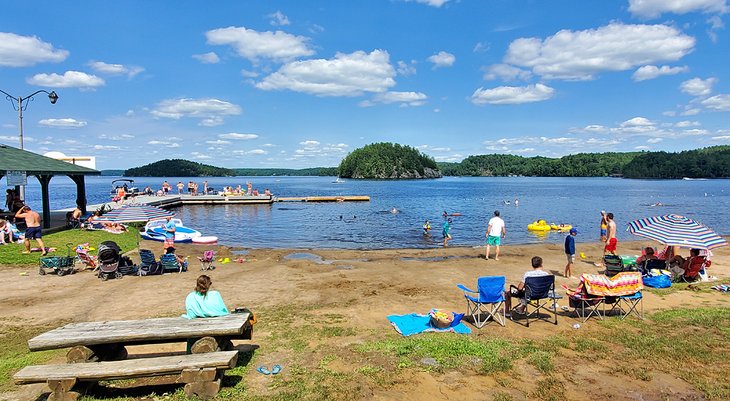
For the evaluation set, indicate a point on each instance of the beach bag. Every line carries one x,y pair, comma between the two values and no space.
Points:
440,319
660,281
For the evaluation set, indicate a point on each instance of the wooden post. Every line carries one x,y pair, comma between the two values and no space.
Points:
80,354
96,353
205,344
61,390
201,382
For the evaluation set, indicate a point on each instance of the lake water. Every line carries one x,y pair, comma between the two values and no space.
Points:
371,225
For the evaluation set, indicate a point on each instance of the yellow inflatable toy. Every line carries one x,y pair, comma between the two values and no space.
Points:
540,225
561,227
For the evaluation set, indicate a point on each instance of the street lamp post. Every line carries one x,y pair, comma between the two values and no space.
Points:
20,104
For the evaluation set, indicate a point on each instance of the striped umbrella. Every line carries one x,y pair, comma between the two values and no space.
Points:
134,213
676,230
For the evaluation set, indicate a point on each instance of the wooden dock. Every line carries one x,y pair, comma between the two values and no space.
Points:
349,198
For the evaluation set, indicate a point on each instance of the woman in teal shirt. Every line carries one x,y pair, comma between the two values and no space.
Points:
203,302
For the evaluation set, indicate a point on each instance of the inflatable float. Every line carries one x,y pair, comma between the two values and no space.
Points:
561,227
155,231
539,225
205,239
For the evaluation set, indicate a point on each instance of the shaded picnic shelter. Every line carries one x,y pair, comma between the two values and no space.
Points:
44,168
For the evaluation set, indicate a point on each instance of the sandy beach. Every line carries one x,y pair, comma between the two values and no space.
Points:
362,287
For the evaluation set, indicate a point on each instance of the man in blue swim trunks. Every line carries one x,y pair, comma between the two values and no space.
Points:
33,222
495,232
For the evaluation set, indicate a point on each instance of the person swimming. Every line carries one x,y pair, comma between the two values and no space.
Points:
394,211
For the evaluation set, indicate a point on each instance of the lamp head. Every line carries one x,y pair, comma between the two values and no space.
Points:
53,97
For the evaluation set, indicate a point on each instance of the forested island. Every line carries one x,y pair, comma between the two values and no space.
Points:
185,168
178,168
388,161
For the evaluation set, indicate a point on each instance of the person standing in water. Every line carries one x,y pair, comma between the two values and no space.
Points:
604,226
495,231
446,232
427,228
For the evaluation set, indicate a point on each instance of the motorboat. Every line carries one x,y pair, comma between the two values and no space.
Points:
127,184
155,231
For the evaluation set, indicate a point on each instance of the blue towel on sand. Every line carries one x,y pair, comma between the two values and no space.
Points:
414,323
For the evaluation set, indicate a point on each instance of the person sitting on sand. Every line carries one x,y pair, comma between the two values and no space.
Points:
519,292
33,222
204,302
647,255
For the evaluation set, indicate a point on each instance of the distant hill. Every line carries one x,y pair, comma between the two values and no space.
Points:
178,168
712,162
261,172
112,173
388,161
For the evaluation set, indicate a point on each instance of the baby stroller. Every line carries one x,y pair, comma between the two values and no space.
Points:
206,261
61,265
109,257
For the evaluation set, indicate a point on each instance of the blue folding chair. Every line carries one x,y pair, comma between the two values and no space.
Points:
540,295
487,300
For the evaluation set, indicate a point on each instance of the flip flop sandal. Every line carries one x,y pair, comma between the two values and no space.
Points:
276,369
263,370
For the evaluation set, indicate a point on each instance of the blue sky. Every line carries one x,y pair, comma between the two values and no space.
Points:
301,83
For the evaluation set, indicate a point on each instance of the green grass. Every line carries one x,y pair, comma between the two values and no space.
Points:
14,353
321,364
11,254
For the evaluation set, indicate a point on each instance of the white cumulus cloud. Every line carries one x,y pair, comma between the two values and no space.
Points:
698,86
278,19
209,111
580,55
207,58
254,45
646,72
512,94
717,103
70,79
432,3
655,8
404,98
115,69
62,123
24,51
506,72
237,136
344,75
442,59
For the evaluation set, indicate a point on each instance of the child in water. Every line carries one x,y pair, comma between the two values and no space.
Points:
445,232
427,228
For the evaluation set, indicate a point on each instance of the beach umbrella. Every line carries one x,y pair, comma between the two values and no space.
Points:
676,230
135,213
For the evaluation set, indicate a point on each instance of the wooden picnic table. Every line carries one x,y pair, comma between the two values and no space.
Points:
106,340
97,352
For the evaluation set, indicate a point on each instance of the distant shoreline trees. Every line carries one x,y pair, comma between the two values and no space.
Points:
387,160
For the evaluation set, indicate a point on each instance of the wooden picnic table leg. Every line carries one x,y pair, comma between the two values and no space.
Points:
203,383
61,390
96,353
211,344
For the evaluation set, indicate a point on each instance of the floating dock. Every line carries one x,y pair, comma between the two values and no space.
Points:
350,198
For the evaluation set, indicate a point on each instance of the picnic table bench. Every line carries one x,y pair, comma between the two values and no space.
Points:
98,352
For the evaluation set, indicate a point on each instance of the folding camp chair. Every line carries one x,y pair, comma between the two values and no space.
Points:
85,258
540,295
696,269
626,304
588,305
206,261
169,263
489,300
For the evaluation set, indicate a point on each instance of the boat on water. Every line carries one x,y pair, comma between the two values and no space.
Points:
155,231
127,184
337,181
